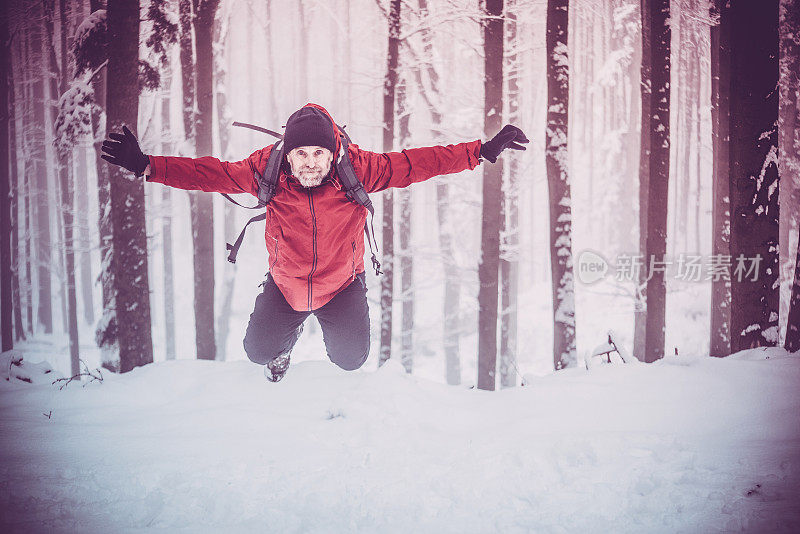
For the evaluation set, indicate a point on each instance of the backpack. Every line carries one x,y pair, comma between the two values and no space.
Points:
268,183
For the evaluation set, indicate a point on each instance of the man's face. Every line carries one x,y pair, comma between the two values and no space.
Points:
310,164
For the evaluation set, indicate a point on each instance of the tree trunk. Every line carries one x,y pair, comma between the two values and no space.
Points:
82,207
789,132
187,71
6,307
41,204
85,260
404,227
82,187
684,108
202,205
639,304
302,52
169,289
754,173
658,183
54,160
488,266
128,263
698,142
28,148
166,224
452,282
19,330
106,334
389,89
452,286
509,258
793,323
272,72
229,219
66,181
556,158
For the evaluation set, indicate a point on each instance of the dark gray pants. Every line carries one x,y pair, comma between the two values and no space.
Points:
344,320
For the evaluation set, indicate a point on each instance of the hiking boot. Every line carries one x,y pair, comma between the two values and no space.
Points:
276,368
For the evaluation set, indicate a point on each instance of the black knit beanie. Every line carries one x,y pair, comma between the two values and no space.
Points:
309,126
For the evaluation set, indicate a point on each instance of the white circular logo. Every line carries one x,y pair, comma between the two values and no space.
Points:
591,267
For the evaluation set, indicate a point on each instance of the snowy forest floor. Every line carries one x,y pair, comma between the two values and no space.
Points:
683,445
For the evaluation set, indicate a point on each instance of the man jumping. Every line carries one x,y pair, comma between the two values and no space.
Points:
314,232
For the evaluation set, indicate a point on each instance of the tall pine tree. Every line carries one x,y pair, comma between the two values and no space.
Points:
389,90
754,172
720,342
658,182
128,257
492,197
557,161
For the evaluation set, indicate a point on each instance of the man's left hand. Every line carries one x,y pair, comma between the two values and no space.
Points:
509,137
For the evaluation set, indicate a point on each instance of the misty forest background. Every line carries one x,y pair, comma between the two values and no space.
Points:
656,128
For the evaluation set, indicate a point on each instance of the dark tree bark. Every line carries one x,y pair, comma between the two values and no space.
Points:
754,172
789,133
128,263
557,161
509,265
389,89
658,183
720,342
793,323
640,307
6,307
488,267
187,69
202,205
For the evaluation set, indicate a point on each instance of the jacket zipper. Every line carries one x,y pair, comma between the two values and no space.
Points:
275,260
354,260
313,244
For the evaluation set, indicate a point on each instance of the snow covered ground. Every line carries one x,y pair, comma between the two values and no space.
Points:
683,445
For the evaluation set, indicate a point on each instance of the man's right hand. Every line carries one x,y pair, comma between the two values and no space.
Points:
123,150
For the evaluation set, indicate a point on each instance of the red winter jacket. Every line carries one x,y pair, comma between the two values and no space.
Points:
315,236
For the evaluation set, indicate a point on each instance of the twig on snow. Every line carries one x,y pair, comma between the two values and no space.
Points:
85,372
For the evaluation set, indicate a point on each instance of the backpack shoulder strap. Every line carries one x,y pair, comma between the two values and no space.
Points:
267,186
353,188
355,192
268,182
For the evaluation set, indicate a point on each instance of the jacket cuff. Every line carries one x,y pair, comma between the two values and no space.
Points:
156,166
475,154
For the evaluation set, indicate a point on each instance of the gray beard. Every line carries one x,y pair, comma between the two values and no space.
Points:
307,181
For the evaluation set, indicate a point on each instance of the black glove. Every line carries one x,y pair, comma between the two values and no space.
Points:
509,137
123,150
